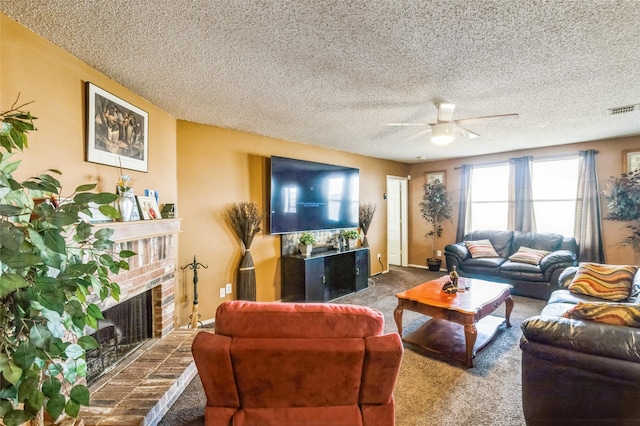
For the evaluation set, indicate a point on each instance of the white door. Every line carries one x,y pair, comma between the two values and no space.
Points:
396,221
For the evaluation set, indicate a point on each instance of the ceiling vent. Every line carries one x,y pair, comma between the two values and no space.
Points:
623,109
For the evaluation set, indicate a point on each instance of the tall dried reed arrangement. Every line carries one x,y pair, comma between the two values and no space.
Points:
367,211
244,219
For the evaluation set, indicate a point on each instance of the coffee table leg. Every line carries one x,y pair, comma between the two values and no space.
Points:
509,306
397,315
470,336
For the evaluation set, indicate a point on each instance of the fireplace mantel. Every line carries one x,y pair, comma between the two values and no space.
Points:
140,229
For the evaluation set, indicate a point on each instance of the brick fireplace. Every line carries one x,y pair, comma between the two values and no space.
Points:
152,269
140,388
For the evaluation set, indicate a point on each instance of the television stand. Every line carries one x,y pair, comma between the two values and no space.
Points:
324,276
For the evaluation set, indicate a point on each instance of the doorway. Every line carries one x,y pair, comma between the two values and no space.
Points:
397,234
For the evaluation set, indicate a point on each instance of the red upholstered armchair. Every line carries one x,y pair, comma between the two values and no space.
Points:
298,364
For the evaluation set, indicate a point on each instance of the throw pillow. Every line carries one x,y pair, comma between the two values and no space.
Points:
611,282
608,313
528,255
481,248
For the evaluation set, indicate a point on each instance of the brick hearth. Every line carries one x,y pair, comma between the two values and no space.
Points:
140,392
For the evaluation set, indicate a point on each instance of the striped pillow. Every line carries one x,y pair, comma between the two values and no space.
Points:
481,248
608,313
528,255
611,282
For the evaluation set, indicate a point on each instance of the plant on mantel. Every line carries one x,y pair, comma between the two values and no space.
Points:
52,267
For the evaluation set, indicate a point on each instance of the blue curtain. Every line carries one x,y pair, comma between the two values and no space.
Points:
588,230
465,192
521,215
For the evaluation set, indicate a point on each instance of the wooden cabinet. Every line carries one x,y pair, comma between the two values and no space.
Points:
324,276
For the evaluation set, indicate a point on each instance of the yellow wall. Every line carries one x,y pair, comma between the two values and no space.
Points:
204,169
608,163
217,167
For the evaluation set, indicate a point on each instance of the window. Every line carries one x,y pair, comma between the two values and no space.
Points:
554,187
488,208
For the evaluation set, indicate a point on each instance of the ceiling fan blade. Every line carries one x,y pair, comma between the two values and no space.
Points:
417,135
474,120
445,111
408,124
467,133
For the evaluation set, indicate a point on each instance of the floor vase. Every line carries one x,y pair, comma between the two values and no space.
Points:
246,278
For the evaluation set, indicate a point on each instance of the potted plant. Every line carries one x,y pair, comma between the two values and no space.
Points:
435,207
305,243
351,235
623,203
53,271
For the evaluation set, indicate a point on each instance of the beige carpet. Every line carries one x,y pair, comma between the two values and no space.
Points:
431,390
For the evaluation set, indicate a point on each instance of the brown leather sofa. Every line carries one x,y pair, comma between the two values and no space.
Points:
298,364
537,281
576,371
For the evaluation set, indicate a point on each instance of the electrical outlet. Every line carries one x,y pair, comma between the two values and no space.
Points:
228,288
439,253
222,293
378,256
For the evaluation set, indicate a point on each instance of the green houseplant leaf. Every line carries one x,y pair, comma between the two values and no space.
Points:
53,271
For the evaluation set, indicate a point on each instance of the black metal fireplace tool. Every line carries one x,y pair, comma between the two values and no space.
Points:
195,316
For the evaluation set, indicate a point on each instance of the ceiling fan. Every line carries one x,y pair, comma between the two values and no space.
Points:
446,129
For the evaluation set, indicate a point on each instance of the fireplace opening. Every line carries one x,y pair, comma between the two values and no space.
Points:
124,328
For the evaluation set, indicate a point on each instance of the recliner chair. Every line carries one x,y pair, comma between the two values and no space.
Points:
298,364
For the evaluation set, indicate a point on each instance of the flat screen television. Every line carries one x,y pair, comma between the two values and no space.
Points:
309,196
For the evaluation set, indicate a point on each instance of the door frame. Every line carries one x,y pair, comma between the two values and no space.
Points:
404,221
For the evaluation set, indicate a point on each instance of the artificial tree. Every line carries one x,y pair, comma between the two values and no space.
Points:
53,267
623,203
435,207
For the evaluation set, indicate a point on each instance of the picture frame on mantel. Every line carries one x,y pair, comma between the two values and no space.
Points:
630,160
117,131
430,177
148,207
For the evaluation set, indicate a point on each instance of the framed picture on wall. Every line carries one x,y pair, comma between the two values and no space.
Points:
431,177
148,207
117,131
630,160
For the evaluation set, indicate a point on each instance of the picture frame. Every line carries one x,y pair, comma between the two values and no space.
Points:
117,131
148,207
630,160
432,176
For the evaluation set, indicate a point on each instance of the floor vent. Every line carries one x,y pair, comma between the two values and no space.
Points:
623,109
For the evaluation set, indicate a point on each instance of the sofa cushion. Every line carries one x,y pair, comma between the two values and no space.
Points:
500,240
520,271
481,248
611,282
528,255
608,313
565,296
537,240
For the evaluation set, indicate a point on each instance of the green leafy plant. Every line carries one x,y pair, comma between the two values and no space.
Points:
623,203
306,238
435,207
53,267
351,234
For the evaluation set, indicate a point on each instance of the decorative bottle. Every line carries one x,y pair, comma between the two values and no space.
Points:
453,276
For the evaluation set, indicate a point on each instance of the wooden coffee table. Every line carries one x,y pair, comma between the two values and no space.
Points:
460,323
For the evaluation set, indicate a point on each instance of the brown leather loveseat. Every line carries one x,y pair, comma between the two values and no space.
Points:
298,364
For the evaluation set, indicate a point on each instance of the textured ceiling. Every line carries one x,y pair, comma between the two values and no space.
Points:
333,73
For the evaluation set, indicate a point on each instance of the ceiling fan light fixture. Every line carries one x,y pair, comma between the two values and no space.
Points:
442,133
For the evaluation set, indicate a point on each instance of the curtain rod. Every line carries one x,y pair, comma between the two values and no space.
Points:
543,157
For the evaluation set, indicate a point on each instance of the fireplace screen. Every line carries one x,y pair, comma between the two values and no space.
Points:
125,327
